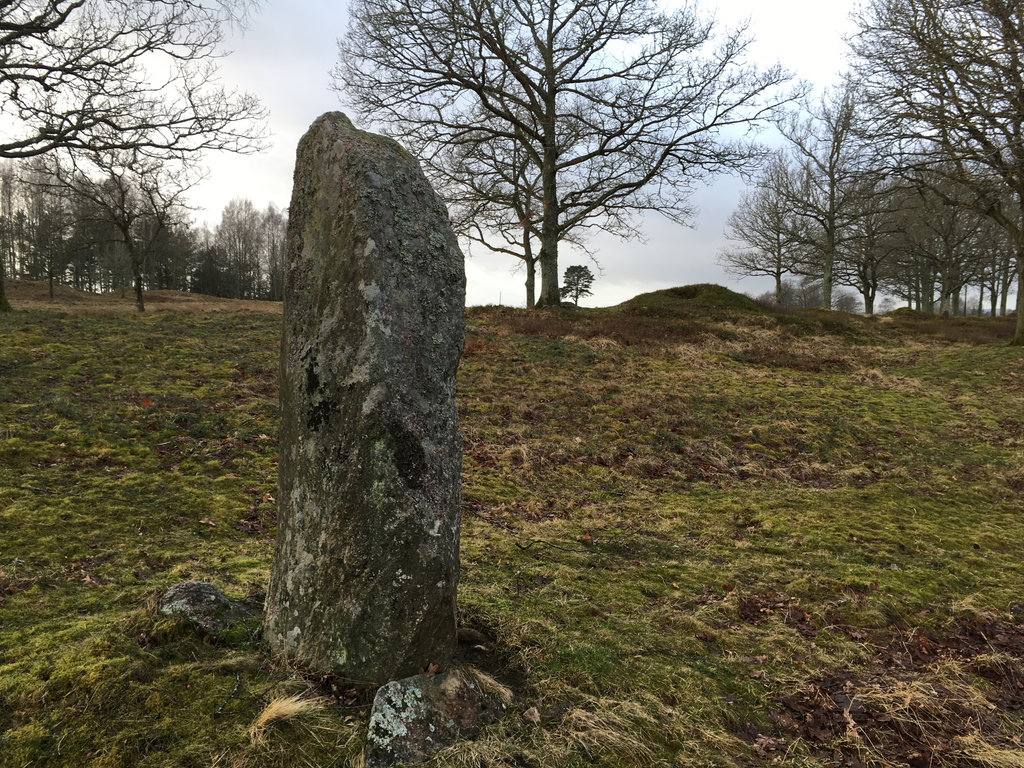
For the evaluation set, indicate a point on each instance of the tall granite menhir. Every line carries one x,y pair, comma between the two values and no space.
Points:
367,562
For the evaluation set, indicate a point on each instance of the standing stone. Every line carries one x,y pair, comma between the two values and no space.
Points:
366,568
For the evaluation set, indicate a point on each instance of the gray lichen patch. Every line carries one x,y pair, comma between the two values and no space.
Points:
366,567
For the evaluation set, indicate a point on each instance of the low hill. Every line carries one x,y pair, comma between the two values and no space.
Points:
688,299
35,295
21,292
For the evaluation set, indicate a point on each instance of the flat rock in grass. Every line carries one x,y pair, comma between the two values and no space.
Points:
202,605
416,717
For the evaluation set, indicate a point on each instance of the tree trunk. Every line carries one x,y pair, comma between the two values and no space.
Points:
945,304
1018,336
778,289
4,304
869,303
531,270
1004,295
826,280
549,294
137,277
928,294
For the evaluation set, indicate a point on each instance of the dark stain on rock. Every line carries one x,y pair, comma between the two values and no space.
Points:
410,460
319,414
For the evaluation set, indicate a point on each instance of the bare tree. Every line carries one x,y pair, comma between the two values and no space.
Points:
241,236
943,240
618,106
493,192
947,77
98,76
825,144
275,241
763,226
8,181
140,196
876,237
118,74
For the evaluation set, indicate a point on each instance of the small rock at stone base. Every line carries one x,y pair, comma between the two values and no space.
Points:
532,716
201,604
420,715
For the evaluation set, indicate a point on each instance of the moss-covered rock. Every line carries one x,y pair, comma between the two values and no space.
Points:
203,606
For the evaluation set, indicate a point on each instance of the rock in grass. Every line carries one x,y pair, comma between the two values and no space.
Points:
202,605
366,567
413,718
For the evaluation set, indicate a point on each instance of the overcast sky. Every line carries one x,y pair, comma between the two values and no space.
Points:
285,56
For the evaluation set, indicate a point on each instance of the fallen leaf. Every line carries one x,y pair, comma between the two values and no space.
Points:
532,716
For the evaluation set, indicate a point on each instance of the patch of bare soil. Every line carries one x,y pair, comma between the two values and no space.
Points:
35,296
931,700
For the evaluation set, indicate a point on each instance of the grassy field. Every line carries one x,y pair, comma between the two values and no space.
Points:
695,533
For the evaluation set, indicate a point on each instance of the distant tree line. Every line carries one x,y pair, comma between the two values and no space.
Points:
114,103
842,205
908,177
66,229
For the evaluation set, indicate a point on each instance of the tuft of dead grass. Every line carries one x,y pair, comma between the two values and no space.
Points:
285,709
487,684
988,756
611,728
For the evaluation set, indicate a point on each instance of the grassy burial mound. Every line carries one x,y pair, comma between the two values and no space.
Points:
706,536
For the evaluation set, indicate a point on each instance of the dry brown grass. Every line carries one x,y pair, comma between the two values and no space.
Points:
283,710
610,729
487,684
28,295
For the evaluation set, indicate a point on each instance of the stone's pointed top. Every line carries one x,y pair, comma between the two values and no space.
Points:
337,124
336,118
